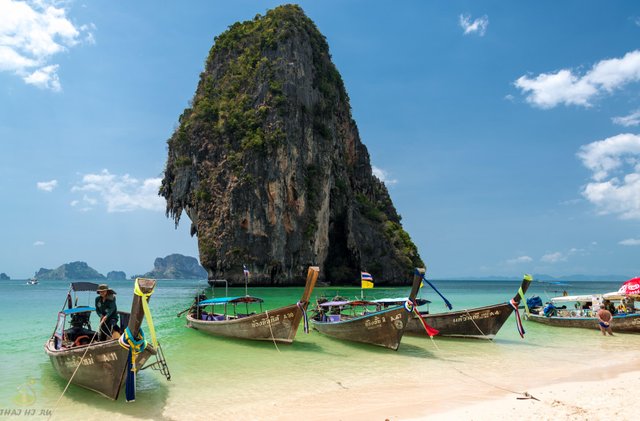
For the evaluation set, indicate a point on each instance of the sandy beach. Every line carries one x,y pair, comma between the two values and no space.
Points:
597,399
600,392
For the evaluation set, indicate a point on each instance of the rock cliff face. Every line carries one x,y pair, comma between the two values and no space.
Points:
268,164
4,277
176,266
70,271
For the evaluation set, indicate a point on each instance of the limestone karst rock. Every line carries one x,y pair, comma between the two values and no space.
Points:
268,164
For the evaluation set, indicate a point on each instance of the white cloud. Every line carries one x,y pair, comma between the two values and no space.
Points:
119,193
47,185
520,259
553,257
630,242
383,176
45,77
478,26
38,243
548,90
615,166
630,120
31,33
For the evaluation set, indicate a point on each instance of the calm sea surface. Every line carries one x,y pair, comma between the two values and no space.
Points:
233,378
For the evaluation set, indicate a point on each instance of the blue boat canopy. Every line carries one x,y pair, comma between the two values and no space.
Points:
78,310
230,300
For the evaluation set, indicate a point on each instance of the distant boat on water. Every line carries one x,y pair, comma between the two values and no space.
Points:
32,281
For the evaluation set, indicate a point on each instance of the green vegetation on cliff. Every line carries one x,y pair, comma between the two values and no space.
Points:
268,164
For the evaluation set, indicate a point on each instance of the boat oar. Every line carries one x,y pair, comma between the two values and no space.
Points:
183,311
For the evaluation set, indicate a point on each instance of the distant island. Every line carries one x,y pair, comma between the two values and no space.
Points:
74,271
176,266
4,277
543,278
116,275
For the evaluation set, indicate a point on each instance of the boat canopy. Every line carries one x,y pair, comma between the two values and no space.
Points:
84,286
349,303
230,300
574,298
400,301
78,310
616,296
334,303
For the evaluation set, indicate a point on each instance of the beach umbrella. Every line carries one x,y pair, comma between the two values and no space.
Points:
630,287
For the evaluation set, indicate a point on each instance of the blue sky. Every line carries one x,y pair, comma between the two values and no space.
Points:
507,132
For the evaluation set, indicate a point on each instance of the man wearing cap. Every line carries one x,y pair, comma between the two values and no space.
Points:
107,311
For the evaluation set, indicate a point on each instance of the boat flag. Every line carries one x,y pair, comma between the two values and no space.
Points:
367,280
245,270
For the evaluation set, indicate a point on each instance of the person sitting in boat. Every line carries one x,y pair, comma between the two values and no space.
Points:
609,306
108,313
550,310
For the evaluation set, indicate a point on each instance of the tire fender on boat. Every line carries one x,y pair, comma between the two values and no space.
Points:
79,339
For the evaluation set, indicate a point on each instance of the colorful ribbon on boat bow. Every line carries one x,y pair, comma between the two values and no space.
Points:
135,347
430,330
147,313
529,278
518,320
304,316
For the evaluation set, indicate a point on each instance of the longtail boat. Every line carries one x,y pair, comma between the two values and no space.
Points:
579,311
102,366
278,325
477,323
384,327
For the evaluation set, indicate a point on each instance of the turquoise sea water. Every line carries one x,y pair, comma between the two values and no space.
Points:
234,379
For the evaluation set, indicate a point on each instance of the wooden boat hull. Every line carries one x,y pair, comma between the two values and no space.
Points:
102,369
629,323
382,328
280,325
477,323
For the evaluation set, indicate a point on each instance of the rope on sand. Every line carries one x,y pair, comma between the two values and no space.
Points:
524,395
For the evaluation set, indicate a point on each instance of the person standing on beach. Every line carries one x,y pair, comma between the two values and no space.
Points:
604,321
108,312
